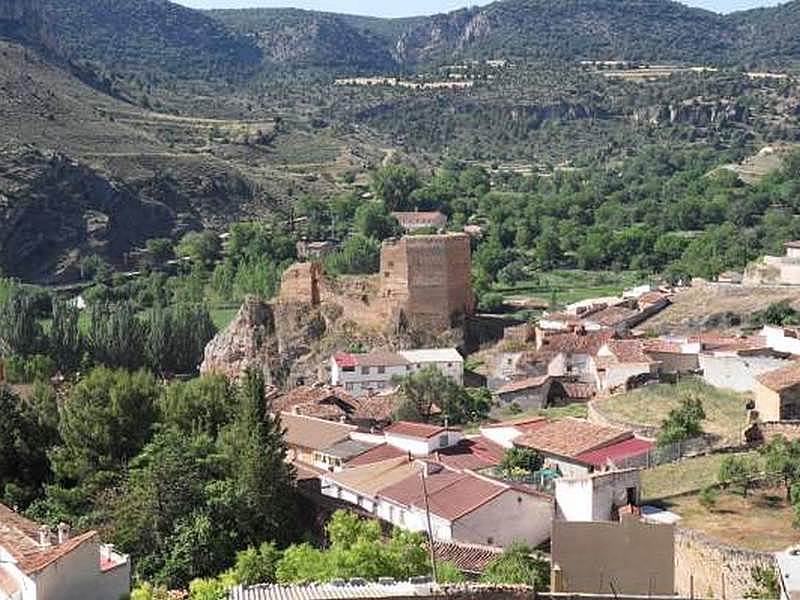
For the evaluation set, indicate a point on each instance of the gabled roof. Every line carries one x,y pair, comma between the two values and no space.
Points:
377,454
348,449
661,345
418,430
571,437
579,391
613,315
315,395
524,384
313,433
451,495
471,454
619,451
521,423
628,351
370,479
19,536
371,359
588,342
781,379
469,558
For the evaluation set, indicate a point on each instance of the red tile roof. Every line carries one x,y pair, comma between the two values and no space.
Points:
571,437
375,455
621,450
469,558
577,343
19,536
663,346
315,395
521,423
450,495
613,315
471,454
579,391
781,379
628,351
345,360
418,430
313,433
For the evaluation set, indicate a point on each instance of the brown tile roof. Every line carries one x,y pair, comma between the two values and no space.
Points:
663,346
19,536
628,351
380,359
524,384
792,244
370,479
376,407
313,433
579,390
520,423
469,558
588,342
314,394
613,315
419,430
471,454
451,495
781,379
571,437
722,342
377,454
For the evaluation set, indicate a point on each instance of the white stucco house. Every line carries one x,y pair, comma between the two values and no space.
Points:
596,496
420,439
359,374
35,564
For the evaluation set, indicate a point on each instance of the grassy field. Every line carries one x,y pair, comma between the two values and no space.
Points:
725,411
222,316
682,477
762,521
568,286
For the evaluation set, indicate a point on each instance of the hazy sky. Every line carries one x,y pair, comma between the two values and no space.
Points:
403,8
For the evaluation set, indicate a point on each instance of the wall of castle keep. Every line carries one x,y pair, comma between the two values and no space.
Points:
428,277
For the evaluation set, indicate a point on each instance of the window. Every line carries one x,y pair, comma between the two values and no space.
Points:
449,365
365,370
381,370
443,441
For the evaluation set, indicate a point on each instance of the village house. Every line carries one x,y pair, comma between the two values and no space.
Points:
414,221
734,363
570,354
505,432
619,362
526,394
777,394
308,437
334,403
597,496
575,447
671,357
782,339
420,439
466,507
359,374
35,564
625,558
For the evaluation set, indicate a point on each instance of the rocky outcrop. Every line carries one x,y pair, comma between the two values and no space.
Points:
248,341
699,112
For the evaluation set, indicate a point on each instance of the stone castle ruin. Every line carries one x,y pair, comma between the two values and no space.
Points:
420,297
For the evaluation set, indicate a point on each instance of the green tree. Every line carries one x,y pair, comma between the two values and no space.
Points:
782,462
394,185
518,565
521,460
106,420
737,471
65,339
707,497
202,247
429,387
20,331
159,251
257,565
357,256
767,584
374,221
447,572
200,405
116,336
682,423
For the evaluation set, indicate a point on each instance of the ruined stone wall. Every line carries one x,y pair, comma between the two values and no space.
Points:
764,432
302,283
427,277
713,569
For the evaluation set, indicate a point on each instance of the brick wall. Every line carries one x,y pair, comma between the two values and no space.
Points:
714,569
427,277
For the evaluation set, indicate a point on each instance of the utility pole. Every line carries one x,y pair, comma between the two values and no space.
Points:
428,518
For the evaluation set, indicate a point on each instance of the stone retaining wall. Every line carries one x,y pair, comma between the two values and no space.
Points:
713,569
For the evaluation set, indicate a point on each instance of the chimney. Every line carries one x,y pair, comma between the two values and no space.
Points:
63,532
44,536
431,468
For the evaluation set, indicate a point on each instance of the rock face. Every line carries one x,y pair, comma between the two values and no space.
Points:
248,341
